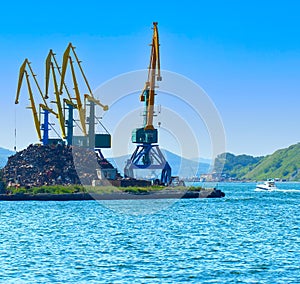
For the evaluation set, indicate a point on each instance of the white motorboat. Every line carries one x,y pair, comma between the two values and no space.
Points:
268,185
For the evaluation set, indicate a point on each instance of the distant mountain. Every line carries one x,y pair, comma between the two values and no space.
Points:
4,154
180,166
185,167
282,164
202,160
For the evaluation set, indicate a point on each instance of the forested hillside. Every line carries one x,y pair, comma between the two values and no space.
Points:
282,164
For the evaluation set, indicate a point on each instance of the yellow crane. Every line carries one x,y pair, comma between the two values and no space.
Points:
148,93
51,64
71,102
67,60
147,154
44,106
82,112
148,134
90,97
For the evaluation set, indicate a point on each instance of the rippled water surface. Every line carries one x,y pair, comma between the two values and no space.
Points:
246,237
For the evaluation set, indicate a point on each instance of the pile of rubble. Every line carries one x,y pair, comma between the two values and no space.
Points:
53,164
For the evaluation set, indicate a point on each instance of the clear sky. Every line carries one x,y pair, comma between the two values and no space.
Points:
244,54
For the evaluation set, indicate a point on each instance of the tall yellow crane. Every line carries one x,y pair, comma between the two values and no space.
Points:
51,65
148,155
67,60
148,134
148,93
71,102
82,112
44,106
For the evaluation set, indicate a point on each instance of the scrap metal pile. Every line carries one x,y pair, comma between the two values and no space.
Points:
40,165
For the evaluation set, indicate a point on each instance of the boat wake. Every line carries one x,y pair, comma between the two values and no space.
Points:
288,190
277,190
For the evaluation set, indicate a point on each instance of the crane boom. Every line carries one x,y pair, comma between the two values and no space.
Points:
44,105
51,55
21,76
60,114
81,109
79,106
148,92
81,70
66,57
33,108
64,68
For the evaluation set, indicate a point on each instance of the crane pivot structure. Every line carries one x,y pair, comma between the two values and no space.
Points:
147,154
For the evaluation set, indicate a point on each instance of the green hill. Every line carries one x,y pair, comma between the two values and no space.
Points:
282,164
235,167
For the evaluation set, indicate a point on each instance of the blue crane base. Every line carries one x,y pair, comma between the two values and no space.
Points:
150,157
45,127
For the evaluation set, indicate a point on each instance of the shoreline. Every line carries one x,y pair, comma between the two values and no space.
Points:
162,194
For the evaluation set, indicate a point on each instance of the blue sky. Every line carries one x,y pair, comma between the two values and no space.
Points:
244,54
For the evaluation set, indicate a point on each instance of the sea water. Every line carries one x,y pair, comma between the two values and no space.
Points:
246,237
